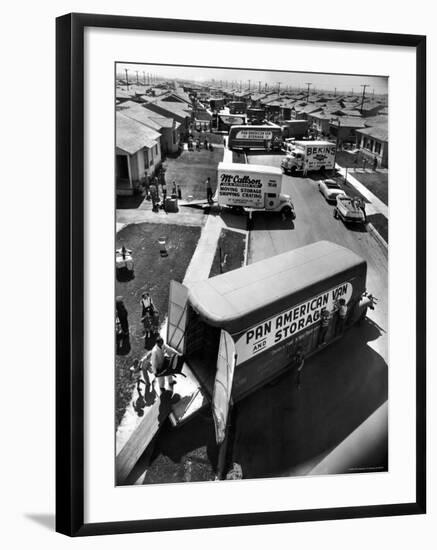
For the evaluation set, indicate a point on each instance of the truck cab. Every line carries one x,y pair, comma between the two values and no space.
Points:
293,162
279,202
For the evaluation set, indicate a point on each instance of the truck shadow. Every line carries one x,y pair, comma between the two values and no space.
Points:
192,444
282,427
271,221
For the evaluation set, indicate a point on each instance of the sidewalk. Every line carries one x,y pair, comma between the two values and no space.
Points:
201,261
375,206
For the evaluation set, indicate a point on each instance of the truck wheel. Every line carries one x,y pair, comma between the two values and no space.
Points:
286,211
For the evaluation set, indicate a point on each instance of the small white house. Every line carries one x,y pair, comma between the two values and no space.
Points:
138,154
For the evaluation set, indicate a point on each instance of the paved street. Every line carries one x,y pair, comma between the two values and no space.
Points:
343,384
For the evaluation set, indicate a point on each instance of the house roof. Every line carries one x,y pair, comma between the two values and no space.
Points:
175,108
377,120
350,122
376,132
131,135
370,105
146,116
350,112
122,94
309,108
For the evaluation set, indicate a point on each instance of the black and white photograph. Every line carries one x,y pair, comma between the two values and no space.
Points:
251,274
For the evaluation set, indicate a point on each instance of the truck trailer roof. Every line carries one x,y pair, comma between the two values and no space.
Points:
250,168
241,298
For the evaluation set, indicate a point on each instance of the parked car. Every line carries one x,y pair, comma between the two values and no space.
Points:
349,209
330,189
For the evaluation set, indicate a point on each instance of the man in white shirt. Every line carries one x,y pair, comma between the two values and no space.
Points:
147,304
161,361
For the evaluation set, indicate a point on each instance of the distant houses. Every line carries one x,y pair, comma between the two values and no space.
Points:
154,120
150,124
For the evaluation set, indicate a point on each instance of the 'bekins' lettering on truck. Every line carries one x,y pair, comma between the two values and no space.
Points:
320,151
289,323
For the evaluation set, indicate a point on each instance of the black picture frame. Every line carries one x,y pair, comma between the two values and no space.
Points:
70,273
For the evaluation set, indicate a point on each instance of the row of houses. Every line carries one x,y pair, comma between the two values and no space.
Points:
346,118
151,122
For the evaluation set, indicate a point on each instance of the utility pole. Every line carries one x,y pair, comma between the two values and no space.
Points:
249,84
259,86
364,86
279,87
308,89
335,92
144,78
127,80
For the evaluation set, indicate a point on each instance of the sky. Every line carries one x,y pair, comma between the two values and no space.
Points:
343,83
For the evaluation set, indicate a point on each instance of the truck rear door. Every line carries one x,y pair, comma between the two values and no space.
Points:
177,316
223,384
191,396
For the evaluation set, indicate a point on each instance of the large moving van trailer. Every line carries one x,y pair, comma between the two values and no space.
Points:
256,321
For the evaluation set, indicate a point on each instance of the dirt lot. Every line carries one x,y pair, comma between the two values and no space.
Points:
230,252
152,273
191,169
189,453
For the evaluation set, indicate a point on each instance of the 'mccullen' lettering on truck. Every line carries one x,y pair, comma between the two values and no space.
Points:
289,322
240,180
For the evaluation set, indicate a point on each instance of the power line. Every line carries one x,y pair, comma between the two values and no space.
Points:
127,80
308,89
364,86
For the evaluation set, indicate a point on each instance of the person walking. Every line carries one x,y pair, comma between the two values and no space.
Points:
208,190
173,190
154,196
147,305
305,167
299,361
121,324
362,206
179,192
324,325
375,164
122,314
161,359
164,191
341,316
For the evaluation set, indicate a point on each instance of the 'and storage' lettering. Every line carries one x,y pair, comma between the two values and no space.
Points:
290,322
